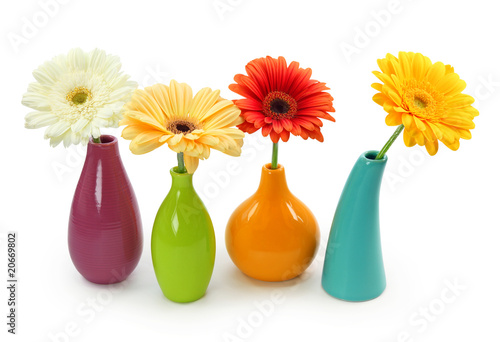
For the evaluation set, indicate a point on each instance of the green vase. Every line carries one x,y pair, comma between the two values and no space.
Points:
183,242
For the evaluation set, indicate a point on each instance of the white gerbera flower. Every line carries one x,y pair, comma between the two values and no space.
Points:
77,94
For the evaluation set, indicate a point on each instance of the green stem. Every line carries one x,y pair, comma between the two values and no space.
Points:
180,163
96,140
388,144
274,161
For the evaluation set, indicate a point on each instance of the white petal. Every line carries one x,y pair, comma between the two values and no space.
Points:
56,129
39,119
77,59
120,93
79,125
68,137
96,132
96,60
36,101
105,113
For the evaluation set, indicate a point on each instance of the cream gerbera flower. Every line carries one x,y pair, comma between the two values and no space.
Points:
77,94
189,125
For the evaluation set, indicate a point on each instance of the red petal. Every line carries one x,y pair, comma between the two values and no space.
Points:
256,69
312,119
243,91
275,137
249,104
301,80
287,124
304,123
277,127
312,89
251,84
259,123
285,135
267,129
296,130
247,127
252,116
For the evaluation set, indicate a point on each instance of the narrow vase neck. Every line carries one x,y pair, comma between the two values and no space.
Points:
273,180
105,151
181,180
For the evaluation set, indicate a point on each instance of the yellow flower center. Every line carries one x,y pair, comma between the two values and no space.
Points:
78,96
181,126
422,100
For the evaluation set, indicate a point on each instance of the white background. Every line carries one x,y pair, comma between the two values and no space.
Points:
439,215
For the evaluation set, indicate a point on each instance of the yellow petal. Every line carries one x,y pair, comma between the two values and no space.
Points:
418,67
404,61
407,120
420,125
458,121
191,163
408,139
435,73
432,147
203,101
161,95
145,146
454,145
393,119
181,96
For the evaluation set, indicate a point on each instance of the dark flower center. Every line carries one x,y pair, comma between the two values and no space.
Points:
279,105
181,127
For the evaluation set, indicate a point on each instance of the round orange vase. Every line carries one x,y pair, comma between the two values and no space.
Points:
272,236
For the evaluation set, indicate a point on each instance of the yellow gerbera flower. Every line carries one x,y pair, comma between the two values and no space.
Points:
426,98
190,125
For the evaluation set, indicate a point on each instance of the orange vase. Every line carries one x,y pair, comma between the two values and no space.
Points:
272,236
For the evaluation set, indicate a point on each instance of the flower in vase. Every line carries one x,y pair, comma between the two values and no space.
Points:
189,125
281,99
76,95
426,99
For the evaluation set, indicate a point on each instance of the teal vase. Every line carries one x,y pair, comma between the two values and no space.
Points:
183,242
354,268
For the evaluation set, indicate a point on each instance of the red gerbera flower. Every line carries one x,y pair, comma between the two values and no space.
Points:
281,100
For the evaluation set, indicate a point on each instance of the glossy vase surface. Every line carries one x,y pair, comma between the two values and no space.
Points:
105,232
183,242
354,268
272,236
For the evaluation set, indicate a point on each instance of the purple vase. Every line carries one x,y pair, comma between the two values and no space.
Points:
105,231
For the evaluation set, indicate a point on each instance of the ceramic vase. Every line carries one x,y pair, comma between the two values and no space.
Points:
105,232
272,236
353,268
183,242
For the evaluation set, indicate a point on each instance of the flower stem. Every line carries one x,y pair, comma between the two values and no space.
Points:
274,160
180,163
96,140
388,144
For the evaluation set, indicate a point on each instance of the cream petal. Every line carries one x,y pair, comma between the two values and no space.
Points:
96,60
80,124
57,129
77,59
39,119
